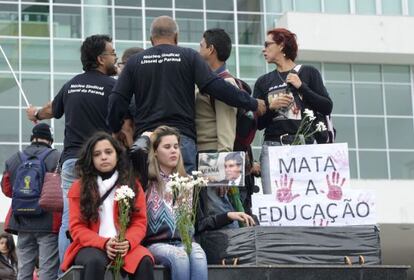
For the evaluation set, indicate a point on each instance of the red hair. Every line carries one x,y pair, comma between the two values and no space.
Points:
288,39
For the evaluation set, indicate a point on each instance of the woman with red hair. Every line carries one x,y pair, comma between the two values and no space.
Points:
287,91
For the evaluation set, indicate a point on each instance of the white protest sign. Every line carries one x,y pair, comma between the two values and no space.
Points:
310,187
357,208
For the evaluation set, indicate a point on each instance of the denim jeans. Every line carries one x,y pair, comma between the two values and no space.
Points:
189,153
68,177
182,266
37,244
265,165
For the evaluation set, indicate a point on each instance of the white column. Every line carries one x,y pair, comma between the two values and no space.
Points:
96,17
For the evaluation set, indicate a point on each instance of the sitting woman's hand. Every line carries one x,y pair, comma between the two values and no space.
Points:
242,217
110,248
122,247
113,247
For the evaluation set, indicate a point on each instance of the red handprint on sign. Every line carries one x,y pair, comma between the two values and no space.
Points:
284,191
335,189
322,223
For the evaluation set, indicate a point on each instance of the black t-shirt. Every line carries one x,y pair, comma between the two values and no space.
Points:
312,94
162,78
84,101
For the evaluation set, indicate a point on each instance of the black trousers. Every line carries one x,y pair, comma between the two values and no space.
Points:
95,261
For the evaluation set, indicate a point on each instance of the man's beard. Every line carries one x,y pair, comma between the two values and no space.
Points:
111,71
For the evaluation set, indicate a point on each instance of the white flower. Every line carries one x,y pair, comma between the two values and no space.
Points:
320,126
184,179
174,176
170,185
309,113
201,181
196,173
124,192
189,185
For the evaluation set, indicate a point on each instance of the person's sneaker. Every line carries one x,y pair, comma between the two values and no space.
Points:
347,260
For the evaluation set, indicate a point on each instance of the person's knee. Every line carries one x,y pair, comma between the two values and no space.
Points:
198,252
93,257
146,263
96,261
178,259
145,269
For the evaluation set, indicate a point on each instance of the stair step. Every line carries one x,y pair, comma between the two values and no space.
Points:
285,272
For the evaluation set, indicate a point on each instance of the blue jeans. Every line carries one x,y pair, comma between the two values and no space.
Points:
37,244
68,177
182,266
265,165
189,153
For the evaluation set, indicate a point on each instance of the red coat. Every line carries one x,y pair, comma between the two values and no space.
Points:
86,234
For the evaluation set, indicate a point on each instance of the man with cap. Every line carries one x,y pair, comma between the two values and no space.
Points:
37,234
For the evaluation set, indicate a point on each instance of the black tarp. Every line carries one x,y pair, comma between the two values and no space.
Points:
292,245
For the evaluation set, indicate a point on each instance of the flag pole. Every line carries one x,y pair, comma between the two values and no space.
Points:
15,78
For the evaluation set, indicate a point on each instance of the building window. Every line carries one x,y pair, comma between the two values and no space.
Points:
365,7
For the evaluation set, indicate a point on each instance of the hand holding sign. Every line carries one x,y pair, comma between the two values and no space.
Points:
335,189
284,191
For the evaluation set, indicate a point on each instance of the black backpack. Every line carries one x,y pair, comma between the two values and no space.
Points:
28,184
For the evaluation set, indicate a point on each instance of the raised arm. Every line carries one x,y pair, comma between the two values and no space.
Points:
223,91
35,114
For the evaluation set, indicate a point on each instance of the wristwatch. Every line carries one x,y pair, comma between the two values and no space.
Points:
36,114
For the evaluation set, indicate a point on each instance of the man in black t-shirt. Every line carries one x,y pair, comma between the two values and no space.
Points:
162,79
84,102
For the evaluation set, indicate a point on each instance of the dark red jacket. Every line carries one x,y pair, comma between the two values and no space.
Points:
47,222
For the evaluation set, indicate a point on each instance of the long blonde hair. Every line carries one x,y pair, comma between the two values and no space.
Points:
153,164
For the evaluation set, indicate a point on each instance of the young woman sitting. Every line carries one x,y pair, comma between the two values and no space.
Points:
163,238
93,214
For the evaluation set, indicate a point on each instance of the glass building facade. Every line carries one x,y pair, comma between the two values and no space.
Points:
373,103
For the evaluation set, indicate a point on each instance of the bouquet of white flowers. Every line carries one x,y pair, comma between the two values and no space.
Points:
305,128
185,190
124,195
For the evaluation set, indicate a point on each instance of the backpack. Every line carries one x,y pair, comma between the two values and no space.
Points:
321,137
28,184
246,121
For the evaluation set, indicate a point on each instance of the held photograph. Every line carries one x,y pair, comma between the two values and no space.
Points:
223,169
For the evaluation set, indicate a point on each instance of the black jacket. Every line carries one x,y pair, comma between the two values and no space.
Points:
7,270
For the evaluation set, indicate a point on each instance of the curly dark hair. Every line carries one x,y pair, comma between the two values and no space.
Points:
91,48
89,198
11,247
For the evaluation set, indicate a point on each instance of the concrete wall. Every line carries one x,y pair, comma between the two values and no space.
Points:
352,38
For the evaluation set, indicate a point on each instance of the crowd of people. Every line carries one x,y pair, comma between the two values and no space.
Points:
167,104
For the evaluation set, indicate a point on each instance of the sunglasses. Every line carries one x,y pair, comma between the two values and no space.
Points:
266,44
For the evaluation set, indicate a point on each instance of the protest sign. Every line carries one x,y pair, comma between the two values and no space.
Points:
310,187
